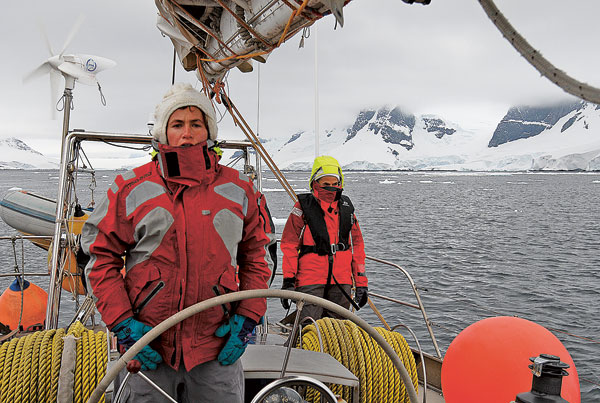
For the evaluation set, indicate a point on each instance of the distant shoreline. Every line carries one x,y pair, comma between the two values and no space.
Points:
356,170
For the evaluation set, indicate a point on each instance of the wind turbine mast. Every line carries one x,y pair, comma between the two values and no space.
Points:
73,67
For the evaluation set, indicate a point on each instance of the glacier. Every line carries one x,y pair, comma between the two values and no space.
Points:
428,142
388,138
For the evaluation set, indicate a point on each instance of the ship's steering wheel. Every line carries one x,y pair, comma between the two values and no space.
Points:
249,294
279,391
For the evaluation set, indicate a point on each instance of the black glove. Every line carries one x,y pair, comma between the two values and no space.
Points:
290,285
361,296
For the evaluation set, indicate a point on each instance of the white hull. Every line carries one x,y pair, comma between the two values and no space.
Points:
28,213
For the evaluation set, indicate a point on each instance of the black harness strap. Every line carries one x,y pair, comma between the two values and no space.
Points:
348,297
314,217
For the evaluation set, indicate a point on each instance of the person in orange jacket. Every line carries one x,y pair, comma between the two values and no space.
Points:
322,244
185,224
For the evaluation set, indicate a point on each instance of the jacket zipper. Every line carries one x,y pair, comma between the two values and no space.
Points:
149,297
178,327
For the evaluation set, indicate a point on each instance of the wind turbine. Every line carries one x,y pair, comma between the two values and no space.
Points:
73,67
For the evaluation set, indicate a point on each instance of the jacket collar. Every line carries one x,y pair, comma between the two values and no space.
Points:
187,165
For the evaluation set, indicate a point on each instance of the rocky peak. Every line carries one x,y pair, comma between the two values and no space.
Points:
361,121
395,126
527,121
437,127
294,137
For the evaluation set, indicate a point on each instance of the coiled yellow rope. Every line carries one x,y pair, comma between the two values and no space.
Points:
30,365
354,348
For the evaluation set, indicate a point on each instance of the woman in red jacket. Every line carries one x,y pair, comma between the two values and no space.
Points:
184,224
322,245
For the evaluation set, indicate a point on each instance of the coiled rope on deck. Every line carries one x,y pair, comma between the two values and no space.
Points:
30,365
356,350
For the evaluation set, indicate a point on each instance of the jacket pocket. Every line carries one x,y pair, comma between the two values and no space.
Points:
206,322
146,290
227,282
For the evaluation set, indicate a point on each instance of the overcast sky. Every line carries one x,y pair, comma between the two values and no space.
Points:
446,58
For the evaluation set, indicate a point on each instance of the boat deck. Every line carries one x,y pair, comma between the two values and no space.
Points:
264,360
432,395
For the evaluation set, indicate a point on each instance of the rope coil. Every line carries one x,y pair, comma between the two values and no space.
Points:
356,350
30,365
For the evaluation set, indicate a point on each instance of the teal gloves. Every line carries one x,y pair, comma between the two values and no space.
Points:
128,332
239,328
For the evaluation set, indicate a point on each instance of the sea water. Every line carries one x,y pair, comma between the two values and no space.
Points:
477,245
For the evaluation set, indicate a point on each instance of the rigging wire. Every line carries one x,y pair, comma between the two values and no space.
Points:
257,145
142,148
20,276
102,97
174,58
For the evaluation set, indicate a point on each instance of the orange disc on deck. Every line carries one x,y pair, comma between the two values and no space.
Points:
488,361
34,306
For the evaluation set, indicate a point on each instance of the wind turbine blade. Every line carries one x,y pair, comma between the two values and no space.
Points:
38,71
102,63
54,91
45,36
72,34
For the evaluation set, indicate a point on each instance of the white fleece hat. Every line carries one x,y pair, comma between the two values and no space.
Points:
179,96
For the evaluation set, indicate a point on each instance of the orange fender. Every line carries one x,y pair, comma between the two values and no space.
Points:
34,306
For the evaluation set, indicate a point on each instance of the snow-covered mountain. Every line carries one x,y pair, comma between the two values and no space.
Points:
15,154
556,137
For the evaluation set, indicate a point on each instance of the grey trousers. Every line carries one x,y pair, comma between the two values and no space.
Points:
334,295
209,382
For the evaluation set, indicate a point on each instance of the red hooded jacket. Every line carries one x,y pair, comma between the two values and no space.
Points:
311,268
180,236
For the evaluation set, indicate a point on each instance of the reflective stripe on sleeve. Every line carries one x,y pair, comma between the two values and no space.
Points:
89,232
141,194
148,235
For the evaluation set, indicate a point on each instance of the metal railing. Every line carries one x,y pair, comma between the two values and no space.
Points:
419,305
69,166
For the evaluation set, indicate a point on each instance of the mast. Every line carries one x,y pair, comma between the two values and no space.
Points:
317,152
54,287
258,164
